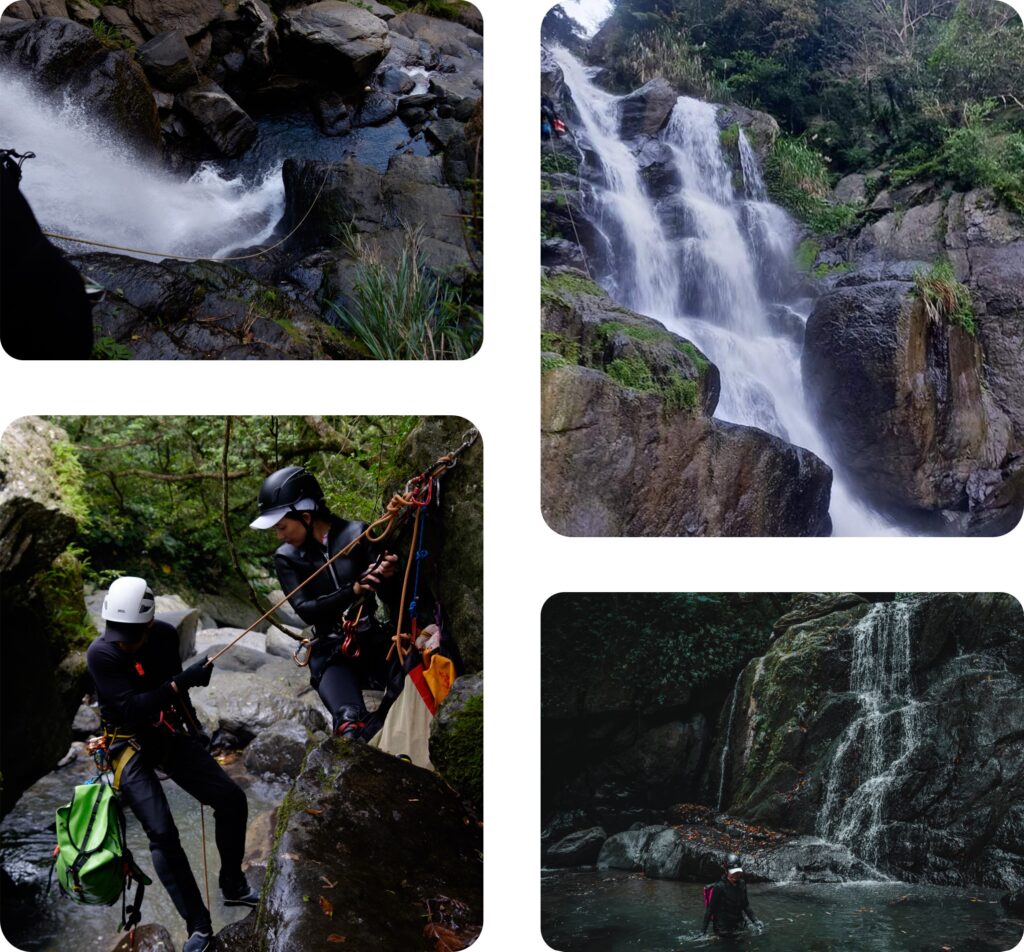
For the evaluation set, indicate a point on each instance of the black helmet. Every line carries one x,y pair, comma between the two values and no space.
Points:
292,489
732,861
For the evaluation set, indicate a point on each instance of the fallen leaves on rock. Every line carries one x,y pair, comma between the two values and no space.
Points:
334,937
328,909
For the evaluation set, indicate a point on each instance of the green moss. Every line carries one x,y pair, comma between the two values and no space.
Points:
696,357
290,329
553,362
678,393
69,476
730,136
106,348
556,344
806,252
110,36
60,587
825,269
944,298
569,282
636,331
633,373
554,162
458,752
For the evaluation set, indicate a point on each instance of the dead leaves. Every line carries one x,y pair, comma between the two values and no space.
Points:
334,937
327,907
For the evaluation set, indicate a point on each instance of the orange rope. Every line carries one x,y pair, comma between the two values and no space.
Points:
396,640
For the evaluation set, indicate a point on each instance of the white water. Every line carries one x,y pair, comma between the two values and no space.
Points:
87,183
707,262
727,743
877,742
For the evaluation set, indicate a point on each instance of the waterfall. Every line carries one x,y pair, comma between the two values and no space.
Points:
710,264
879,739
87,183
728,741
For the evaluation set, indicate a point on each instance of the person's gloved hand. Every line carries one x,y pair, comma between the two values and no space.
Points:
196,675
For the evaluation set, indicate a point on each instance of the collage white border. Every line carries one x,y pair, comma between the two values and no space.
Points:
525,562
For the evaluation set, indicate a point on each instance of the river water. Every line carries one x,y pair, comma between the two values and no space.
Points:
608,911
35,922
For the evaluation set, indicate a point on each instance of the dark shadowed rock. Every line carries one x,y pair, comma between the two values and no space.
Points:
168,61
225,123
392,836
159,16
149,937
376,108
279,750
67,57
118,17
625,850
816,605
577,849
86,723
336,41
646,110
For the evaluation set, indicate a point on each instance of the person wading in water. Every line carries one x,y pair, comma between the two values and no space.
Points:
726,902
350,646
149,723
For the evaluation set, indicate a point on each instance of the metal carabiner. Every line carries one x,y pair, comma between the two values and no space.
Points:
306,643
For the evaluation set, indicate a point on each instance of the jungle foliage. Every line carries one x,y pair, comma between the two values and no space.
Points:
171,498
914,87
648,649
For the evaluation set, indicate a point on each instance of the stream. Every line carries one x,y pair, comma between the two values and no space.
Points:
35,922
592,910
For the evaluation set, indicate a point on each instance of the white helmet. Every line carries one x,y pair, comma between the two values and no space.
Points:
129,600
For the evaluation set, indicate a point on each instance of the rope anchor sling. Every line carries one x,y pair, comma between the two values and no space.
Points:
416,493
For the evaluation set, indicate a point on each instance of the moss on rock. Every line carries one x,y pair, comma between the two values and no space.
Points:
457,739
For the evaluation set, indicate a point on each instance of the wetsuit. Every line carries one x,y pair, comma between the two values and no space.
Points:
44,312
727,907
135,692
334,670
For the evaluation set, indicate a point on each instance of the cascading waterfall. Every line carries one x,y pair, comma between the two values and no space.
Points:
710,264
727,744
877,741
85,182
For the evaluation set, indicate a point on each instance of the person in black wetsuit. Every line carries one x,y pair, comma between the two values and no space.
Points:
351,646
728,905
44,311
143,697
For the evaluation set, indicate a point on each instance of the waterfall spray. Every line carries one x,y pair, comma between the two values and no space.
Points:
86,182
727,744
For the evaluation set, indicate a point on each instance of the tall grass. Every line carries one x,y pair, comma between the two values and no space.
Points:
403,312
945,298
798,179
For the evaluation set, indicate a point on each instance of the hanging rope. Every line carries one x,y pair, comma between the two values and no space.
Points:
168,254
416,493
572,220
196,732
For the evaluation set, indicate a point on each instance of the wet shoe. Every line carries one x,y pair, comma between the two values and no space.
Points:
198,942
249,898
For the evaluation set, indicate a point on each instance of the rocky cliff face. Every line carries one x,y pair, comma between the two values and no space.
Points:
629,445
894,729
42,676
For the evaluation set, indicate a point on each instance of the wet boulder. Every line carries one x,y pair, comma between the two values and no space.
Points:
393,842
279,750
1013,903
339,42
626,850
376,108
906,404
149,937
581,848
118,17
86,723
646,110
64,56
168,61
225,123
160,16
457,738
807,607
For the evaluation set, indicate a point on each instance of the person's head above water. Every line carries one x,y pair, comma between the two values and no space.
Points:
734,874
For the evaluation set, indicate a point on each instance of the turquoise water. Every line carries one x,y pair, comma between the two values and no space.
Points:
608,911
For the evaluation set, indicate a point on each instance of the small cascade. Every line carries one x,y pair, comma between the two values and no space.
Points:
728,742
87,183
712,265
874,747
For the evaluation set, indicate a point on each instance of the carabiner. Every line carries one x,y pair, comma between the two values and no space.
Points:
306,643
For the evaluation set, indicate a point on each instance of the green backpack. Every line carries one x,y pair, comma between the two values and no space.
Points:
94,865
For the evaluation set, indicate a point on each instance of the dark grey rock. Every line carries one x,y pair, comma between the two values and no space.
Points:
225,123
334,41
577,849
168,61
279,750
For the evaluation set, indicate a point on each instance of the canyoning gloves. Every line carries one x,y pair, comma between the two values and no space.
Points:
196,675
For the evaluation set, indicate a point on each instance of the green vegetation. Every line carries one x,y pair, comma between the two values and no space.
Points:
404,312
679,393
556,344
555,288
633,373
69,475
730,137
459,754
944,298
805,254
797,178
553,361
636,331
825,269
555,162
60,587
110,36
927,90
106,348
153,487
696,357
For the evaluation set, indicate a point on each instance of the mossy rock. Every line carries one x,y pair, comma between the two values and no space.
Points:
457,739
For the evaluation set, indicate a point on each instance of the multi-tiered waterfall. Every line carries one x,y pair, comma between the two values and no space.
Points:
712,261
873,750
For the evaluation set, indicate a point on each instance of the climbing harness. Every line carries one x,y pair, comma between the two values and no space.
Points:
572,221
415,491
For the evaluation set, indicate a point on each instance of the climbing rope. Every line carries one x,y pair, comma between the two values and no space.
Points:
168,254
572,220
417,492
